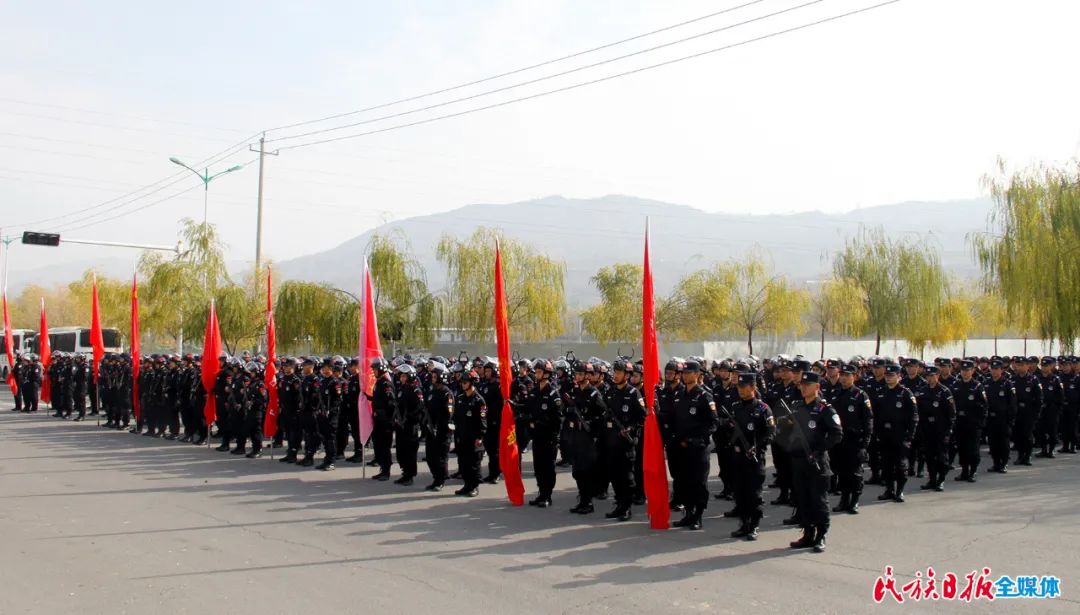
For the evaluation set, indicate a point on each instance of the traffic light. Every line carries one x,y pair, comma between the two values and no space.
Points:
41,239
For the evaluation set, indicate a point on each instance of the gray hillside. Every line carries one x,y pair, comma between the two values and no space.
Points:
590,233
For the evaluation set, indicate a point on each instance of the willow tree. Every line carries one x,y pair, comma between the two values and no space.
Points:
408,312
617,318
533,281
902,282
176,292
701,304
990,315
1031,252
762,301
327,318
839,307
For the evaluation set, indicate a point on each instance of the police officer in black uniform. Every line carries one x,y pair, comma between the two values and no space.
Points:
1046,429
1000,414
970,419
751,428
289,402
620,430
410,414
437,424
896,417
693,420
1029,402
815,428
383,409
470,425
849,456
937,414
584,412
543,409
666,394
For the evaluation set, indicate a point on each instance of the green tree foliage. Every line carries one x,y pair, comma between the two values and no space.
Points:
838,307
902,282
990,315
762,301
322,317
535,297
617,318
1031,252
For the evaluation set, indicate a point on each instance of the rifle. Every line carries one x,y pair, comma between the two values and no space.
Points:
748,449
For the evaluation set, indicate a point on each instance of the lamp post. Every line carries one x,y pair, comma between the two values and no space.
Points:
206,178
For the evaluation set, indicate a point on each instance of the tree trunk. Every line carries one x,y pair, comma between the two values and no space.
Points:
995,345
963,348
1025,344
822,342
750,339
877,343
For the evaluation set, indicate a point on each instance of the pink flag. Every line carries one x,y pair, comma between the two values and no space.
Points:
370,348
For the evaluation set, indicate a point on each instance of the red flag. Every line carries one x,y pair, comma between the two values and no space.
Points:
136,352
210,364
270,424
9,343
509,455
96,341
45,352
656,484
370,348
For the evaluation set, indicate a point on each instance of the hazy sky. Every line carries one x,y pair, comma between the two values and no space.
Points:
911,101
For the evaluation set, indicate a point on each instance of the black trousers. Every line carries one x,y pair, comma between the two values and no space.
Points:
585,456
619,464
1023,436
325,434
692,481
289,425
348,424
782,465
1067,426
968,438
1047,428
747,479
437,452
998,436
639,468
78,403
469,460
545,450
382,438
893,463
491,447
936,453
674,462
29,395
408,442
847,460
810,487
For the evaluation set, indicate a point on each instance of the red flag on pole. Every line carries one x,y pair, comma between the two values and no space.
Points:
9,343
509,455
370,348
655,472
96,341
45,352
210,364
136,352
270,424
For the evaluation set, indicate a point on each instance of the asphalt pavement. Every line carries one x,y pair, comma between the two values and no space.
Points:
100,521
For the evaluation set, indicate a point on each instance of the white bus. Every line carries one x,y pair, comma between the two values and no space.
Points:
21,344
77,339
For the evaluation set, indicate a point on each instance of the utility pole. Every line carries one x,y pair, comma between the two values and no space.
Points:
259,211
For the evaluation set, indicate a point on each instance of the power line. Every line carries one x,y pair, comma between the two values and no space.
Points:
137,209
551,76
595,81
176,178
518,70
110,114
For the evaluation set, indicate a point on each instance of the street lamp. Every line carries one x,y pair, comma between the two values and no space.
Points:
206,177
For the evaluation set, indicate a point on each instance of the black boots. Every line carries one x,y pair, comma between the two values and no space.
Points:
806,541
584,507
819,540
843,505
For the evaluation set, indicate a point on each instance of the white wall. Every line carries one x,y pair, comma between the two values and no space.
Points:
847,348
